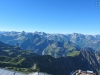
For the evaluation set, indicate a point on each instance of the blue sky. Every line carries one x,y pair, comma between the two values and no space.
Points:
51,16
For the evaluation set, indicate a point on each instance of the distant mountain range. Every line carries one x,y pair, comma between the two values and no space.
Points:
56,45
12,57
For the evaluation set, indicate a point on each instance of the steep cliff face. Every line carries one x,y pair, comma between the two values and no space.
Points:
55,66
92,58
14,58
86,60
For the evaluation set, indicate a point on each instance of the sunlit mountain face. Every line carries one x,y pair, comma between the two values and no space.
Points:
35,40
26,61
56,54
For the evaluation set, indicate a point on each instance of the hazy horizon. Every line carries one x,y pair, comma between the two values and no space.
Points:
51,33
51,16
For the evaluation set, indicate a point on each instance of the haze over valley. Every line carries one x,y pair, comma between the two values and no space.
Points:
56,54
49,37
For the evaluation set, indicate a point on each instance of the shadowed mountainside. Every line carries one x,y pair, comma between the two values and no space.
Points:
28,40
37,44
26,61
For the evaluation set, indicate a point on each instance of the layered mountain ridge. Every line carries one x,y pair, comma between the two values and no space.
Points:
39,43
44,43
13,57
